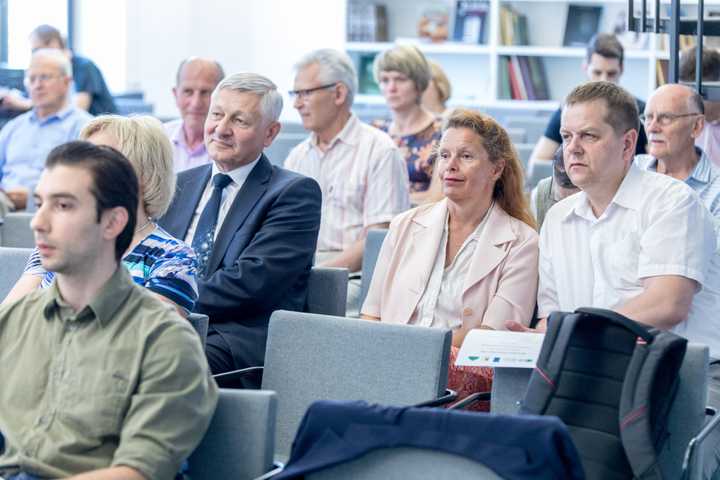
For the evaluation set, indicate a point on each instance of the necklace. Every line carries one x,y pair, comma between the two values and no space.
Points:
141,228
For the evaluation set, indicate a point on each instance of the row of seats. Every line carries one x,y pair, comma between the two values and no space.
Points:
335,358
332,357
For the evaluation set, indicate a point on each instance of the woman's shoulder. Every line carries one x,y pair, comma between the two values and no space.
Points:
162,245
522,231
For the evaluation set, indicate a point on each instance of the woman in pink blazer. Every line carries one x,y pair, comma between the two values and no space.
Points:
469,260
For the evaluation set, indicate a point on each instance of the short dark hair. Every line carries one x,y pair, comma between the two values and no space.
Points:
559,173
48,33
710,64
114,181
622,111
606,45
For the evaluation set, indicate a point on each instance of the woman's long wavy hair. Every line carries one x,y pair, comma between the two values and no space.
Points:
508,191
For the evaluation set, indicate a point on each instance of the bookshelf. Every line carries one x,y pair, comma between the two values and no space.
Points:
476,71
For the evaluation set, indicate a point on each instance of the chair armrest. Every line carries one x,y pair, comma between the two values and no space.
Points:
234,379
469,400
279,467
450,395
697,442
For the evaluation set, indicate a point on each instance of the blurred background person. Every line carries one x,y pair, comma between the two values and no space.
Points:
403,74
551,190
436,95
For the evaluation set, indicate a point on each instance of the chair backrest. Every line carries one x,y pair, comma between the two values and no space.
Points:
317,357
404,463
200,323
327,291
508,389
536,171
239,443
12,264
373,242
16,231
687,413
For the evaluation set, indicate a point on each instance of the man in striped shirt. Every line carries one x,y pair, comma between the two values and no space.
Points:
361,173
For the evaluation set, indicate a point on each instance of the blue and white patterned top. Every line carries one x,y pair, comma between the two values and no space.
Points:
161,263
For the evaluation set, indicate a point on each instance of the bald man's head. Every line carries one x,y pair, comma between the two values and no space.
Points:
673,120
195,82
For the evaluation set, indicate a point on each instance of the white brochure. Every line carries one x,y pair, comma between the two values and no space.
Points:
493,348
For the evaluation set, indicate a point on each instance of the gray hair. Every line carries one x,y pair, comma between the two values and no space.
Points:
335,66
271,102
220,72
58,56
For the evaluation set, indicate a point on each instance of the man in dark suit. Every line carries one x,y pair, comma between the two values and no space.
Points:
253,225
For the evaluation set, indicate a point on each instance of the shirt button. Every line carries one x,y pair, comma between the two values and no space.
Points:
467,311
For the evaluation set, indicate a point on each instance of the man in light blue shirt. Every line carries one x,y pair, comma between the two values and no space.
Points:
674,118
26,140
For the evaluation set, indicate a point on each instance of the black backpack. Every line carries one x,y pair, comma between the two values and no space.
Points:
612,381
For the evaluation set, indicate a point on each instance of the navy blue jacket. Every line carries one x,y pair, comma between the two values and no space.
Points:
262,255
520,447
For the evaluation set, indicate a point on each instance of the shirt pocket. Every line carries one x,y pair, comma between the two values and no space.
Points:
97,400
623,259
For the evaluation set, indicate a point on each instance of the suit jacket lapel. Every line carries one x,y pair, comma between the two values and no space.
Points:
188,197
490,251
253,188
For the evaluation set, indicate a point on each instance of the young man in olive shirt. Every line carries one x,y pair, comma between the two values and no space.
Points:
100,380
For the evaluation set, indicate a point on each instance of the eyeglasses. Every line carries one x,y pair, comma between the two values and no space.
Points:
303,94
665,119
42,78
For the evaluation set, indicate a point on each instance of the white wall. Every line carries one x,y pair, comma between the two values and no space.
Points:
264,36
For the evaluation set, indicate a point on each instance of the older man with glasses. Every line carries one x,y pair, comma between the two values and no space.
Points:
361,172
27,139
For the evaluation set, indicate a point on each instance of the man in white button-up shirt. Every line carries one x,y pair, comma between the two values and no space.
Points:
361,173
633,241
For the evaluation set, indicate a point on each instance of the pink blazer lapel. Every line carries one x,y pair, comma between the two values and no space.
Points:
490,250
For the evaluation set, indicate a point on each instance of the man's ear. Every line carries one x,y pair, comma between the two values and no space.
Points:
630,139
272,130
115,220
341,94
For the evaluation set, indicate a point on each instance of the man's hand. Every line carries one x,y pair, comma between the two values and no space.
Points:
514,326
18,196
12,100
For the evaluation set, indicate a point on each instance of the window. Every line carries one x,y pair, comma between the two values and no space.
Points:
21,17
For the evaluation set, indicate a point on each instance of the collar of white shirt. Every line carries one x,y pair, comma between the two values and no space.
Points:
627,196
239,175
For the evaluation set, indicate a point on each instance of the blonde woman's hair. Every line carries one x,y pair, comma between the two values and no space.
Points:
508,191
441,81
143,141
408,60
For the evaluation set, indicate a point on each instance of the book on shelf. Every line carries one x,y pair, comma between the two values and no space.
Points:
522,78
583,21
513,27
367,22
661,72
366,77
470,21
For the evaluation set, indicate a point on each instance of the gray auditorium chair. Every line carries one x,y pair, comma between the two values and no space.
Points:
327,291
373,242
200,323
313,357
16,231
536,171
12,264
524,150
240,441
278,151
533,126
517,135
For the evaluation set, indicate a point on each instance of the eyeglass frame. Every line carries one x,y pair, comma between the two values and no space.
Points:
669,118
41,78
305,92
